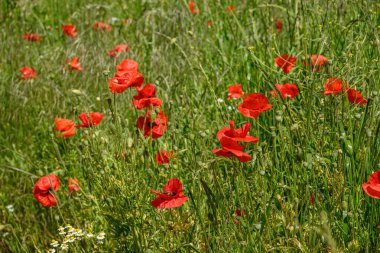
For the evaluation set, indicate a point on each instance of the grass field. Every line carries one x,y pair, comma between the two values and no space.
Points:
301,191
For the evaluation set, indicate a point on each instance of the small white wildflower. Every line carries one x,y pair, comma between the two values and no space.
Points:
229,108
54,243
51,251
100,237
64,246
114,20
10,208
68,226
72,239
220,100
66,240
89,235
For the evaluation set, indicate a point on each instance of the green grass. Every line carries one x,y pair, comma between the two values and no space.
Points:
313,144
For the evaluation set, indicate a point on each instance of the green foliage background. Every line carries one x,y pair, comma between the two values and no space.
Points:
312,144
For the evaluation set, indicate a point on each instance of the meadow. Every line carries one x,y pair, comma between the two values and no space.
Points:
294,175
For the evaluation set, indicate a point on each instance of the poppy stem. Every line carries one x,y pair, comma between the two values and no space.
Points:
114,107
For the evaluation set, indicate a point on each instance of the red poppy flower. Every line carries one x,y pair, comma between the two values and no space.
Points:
372,188
286,62
355,97
74,63
118,49
42,190
69,30
333,86
235,91
73,185
154,128
90,119
317,61
66,126
286,91
278,24
163,156
102,26
172,197
229,138
239,214
192,7
31,37
119,84
128,65
254,104
28,73
146,97
230,9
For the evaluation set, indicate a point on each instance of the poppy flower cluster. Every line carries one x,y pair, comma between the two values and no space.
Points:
67,127
335,86
154,122
287,62
45,187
